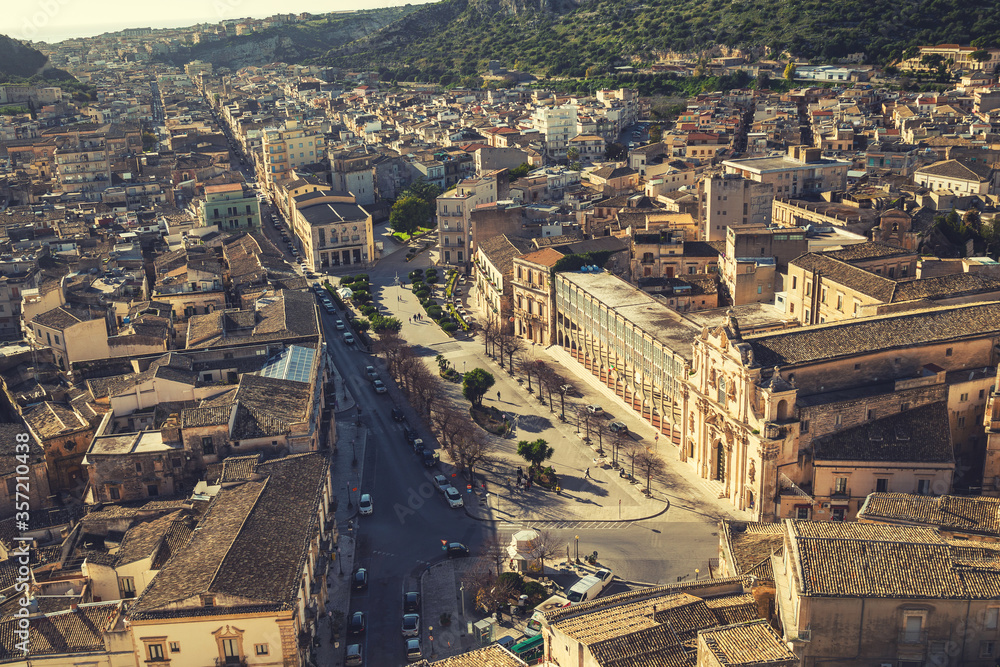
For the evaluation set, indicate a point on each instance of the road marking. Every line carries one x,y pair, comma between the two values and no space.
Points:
562,525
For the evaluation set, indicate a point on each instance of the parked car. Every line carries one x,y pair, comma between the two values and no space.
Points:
456,550
349,339
616,427
360,579
365,504
409,434
380,387
441,482
339,325
418,447
413,651
356,626
594,409
328,307
397,415
453,497
371,372
411,603
411,625
431,458
354,657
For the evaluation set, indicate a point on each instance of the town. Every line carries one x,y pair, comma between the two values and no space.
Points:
305,367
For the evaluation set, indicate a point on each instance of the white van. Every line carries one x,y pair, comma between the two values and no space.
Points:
589,587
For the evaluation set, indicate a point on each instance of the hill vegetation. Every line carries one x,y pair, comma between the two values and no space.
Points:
445,41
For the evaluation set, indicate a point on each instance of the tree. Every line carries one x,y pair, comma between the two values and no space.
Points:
655,134
789,71
381,324
520,171
527,365
650,464
980,55
617,440
544,547
535,452
495,551
932,60
551,382
475,384
424,189
512,345
573,154
470,449
615,151
409,213
585,417
632,454
601,430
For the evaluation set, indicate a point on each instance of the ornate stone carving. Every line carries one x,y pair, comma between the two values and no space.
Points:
753,472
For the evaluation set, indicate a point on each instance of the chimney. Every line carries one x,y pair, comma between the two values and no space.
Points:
75,608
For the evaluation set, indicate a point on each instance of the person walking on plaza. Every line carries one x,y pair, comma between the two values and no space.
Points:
586,475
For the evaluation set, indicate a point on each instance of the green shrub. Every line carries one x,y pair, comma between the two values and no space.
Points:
432,279
449,327
417,286
431,271
368,311
434,311
361,276
360,325
422,294
361,297
345,281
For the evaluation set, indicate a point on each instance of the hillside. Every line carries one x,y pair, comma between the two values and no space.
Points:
454,38
293,42
18,60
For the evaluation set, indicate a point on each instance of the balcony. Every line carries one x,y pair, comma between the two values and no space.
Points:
842,494
912,637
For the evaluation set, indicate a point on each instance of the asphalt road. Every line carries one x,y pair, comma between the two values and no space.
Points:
403,534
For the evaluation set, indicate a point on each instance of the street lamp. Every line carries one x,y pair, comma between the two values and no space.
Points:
577,539
562,394
430,636
340,561
350,505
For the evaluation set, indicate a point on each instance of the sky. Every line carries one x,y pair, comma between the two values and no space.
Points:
55,20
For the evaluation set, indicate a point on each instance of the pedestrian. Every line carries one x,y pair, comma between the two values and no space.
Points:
519,473
587,474
498,395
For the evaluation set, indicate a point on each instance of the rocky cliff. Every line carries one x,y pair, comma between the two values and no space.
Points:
18,60
292,43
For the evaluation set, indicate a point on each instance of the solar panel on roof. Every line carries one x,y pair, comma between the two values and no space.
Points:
294,363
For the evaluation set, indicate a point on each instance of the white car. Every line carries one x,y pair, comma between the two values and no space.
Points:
594,409
453,497
365,506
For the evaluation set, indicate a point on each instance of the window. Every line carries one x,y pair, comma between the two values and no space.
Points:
838,420
881,485
857,367
961,422
809,288
990,618
963,397
138,466
126,587
804,428
152,490
57,340
207,446
871,415
986,649
982,393
947,352
903,407
923,486
840,486
840,302
802,513
175,647
208,601
155,651
260,649
114,493
823,295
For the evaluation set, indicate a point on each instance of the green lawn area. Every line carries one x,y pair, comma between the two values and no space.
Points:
404,238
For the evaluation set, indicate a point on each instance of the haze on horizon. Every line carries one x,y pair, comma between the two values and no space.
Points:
56,20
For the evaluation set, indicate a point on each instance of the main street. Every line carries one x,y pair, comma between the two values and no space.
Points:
410,519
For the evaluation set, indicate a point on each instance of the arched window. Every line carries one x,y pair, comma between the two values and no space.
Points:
722,390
